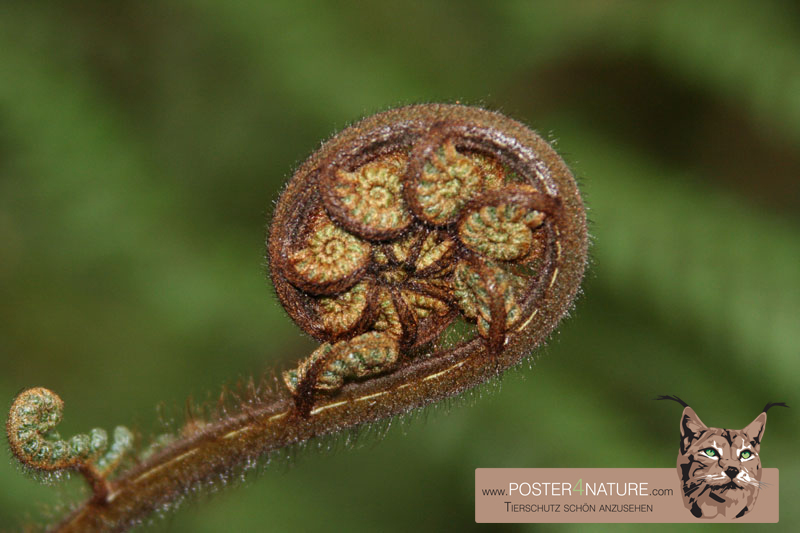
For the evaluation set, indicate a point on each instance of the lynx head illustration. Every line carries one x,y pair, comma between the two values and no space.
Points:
720,469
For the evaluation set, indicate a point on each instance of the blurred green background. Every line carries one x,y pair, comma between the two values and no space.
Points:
142,145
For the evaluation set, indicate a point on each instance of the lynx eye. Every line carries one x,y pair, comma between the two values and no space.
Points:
710,452
747,454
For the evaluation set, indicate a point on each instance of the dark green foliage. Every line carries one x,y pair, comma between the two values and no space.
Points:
141,145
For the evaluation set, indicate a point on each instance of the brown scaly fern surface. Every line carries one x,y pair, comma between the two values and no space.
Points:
428,248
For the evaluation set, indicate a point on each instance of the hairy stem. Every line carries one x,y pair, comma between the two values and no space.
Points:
397,228
224,445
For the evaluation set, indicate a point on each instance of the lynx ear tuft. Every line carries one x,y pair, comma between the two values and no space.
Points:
673,398
771,404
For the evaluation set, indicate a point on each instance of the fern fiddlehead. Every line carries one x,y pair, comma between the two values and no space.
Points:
35,443
412,220
402,229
